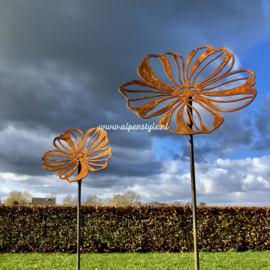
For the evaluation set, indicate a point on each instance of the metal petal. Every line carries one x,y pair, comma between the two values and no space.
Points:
98,140
75,155
187,92
181,125
93,162
241,90
83,173
66,138
146,73
142,110
203,58
47,158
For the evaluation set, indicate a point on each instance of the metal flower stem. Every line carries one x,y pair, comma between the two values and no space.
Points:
78,218
193,190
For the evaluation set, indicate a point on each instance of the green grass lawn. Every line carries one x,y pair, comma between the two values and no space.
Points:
231,260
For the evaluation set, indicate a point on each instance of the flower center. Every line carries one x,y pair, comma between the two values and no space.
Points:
188,92
79,155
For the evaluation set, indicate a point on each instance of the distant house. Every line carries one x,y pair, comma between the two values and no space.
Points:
43,201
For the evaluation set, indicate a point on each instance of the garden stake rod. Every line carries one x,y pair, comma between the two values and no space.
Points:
78,219
193,191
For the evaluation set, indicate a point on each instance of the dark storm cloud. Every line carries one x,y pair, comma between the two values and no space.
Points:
262,124
94,48
21,152
126,168
62,62
222,142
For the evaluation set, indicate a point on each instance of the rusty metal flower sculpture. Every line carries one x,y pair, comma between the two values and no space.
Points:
189,93
207,93
88,152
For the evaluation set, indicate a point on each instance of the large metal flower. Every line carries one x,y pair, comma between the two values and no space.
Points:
207,93
89,152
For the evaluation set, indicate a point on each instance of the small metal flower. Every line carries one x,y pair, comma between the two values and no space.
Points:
89,152
207,93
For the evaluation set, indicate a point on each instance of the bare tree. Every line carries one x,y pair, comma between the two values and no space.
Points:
17,197
68,200
177,203
130,198
93,200
13,197
117,200
202,203
26,197
189,203
107,201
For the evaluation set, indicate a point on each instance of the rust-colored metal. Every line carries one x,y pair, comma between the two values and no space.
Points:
78,223
86,154
182,92
193,193
194,203
92,156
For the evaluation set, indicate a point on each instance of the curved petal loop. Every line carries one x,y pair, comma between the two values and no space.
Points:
168,68
218,119
246,84
203,57
98,140
68,169
185,92
142,110
99,161
242,92
83,173
49,160
146,73
71,158
166,118
181,125
67,139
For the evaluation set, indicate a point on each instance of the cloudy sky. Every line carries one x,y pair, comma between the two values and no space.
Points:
61,65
